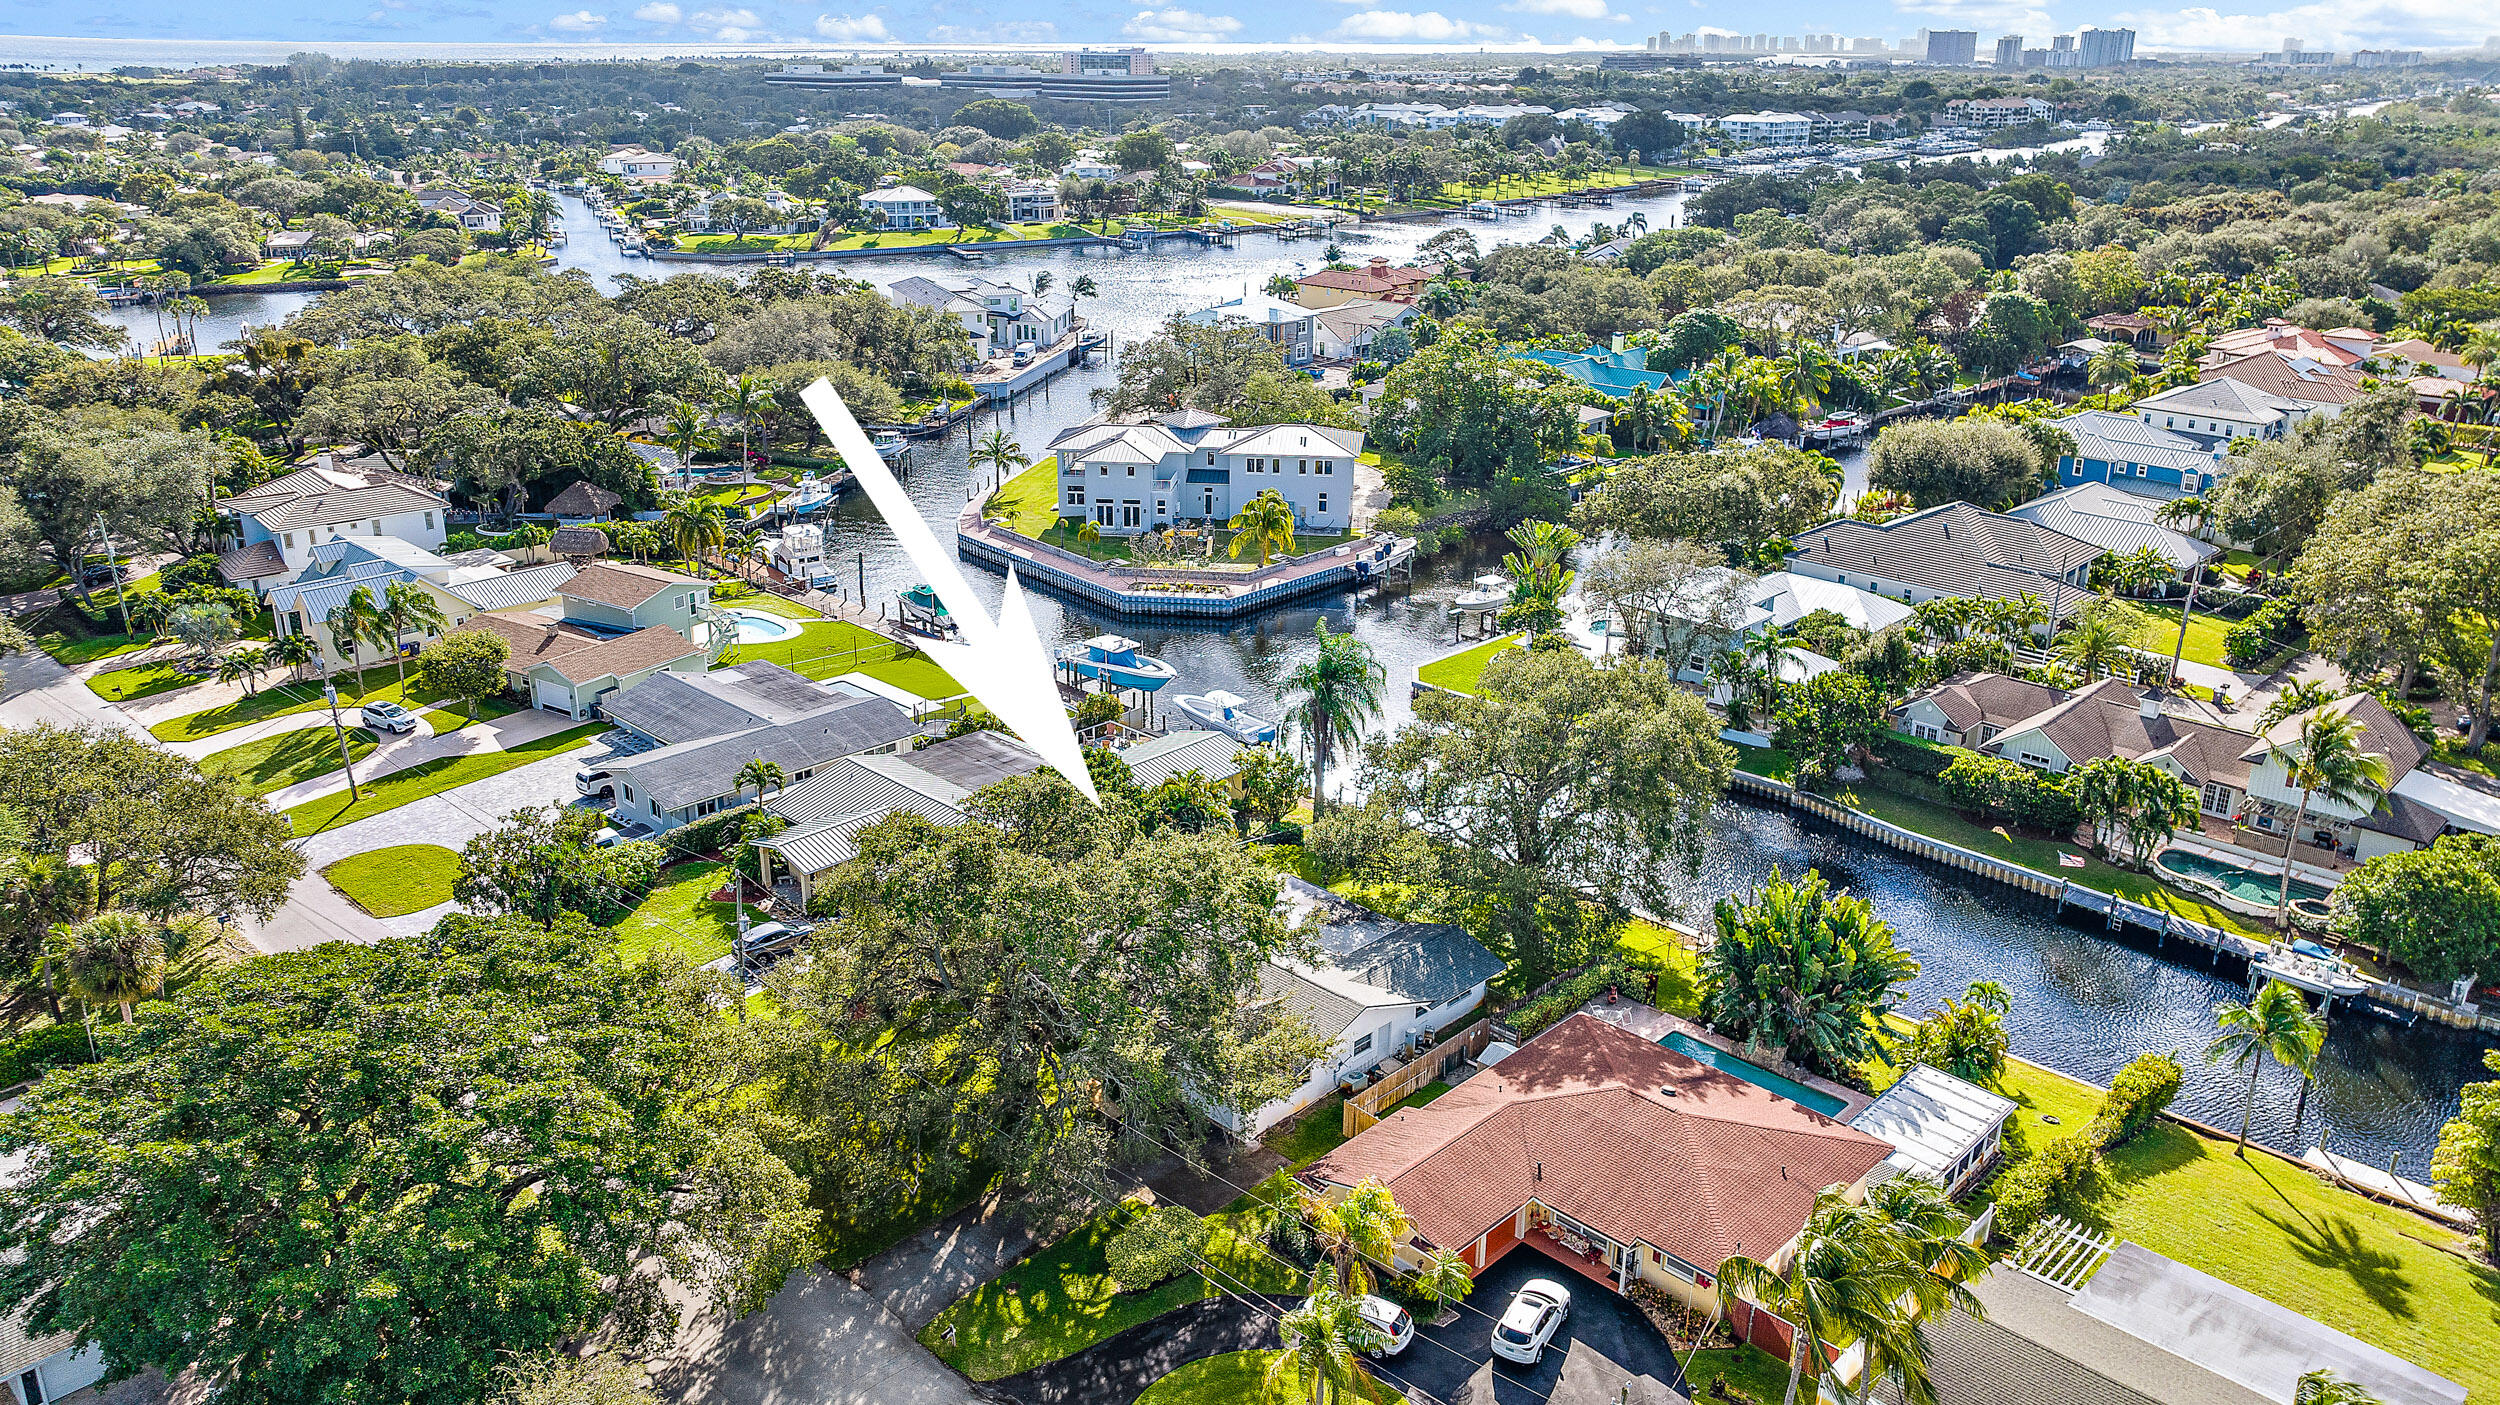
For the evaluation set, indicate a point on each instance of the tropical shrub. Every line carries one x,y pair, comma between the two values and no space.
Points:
1965,1037
1154,1246
1545,1011
2009,792
28,1056
2253,640
2136,1098
2056,1178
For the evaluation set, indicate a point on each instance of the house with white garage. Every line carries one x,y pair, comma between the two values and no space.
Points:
42,1367
1187,465
558,666
703,728
271,532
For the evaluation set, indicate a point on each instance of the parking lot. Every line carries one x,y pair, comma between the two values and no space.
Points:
1441,1359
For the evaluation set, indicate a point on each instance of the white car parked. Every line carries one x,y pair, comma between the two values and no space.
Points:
1535,1314
389,717
1394,1322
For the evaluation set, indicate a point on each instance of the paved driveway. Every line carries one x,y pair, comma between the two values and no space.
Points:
1609,1325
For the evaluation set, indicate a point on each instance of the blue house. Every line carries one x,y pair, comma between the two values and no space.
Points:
2135,457
1611,370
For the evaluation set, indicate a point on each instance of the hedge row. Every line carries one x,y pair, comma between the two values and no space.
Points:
2137,1098
1542,1012
2009,792
2061,1175
2253,640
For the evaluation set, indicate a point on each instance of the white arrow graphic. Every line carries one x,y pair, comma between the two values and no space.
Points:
1002,664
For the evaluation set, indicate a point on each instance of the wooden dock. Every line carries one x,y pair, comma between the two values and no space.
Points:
2383,1185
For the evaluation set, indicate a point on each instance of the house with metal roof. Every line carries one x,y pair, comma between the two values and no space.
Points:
1615,370
271,531
2117,522
1952,550
702,728
826,812
338,572
2134,456
1188,465
1155,760
2217,411
1944,1128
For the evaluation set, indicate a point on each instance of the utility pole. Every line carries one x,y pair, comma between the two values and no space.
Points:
120,596
347,763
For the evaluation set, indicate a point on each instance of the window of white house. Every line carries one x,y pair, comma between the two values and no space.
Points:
290,539
1359,1046
1926,732
708,806
429,521
628,792
1076,497
1323,502
1304,466
2217,799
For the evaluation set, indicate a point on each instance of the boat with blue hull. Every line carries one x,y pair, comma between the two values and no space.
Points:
1119,662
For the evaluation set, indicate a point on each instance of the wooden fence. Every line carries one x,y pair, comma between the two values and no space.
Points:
1366,1108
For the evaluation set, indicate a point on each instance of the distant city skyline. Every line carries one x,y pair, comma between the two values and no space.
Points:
654,28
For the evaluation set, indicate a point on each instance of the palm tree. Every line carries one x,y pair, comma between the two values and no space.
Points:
999,452
748,397
148,612
1281,287
1265,522
1805,374
293,651
2188,513
1088,532
112,958
2481,347
245,664
2112,366
407,608
689,430
1325,1341
695,526
1340,691
2324,1387
2275,1022
1360,1229
1042,281
2298,696
1443,1278
346,624
2325,758
762,775
1083,286
1842,1281
1541,574
2095,645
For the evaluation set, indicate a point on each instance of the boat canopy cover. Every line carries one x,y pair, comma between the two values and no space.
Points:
1109,645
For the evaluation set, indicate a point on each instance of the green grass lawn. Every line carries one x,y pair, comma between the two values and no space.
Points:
398,880
376,684
1908,803
71,641
1027,504
917,674
143,680
1318,1130
1768,761
1240,1378
1461,672
680,916
1649,947
431,778
2204,635
1060,1299
826,648
2386,1276
287,758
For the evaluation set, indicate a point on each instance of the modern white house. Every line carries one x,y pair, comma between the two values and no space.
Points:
639,164
272,531
999,316
1380,990
1768,128
789,216
903,207
1286,324
1090,166
1030,202
1187,465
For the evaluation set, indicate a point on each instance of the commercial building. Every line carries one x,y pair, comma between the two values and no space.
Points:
1952,45
816,75
2107,48
1768,128
1123,75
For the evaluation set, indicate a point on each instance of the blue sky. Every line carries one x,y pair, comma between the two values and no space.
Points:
692,25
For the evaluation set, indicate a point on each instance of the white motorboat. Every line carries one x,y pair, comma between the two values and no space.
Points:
2307,966
1491,592
889,444
921,607
807,495
1118,662
1222,712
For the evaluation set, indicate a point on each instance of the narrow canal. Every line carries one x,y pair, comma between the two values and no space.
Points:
2083,1004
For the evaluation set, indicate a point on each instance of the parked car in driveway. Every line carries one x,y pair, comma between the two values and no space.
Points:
389,717
1394,1322
1535,1314
595,783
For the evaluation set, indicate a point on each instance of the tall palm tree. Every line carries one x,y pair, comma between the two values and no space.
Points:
2095,645
245,664
347,625
1325,1340
293,651
2112,366
2481,347
695,526
1359,1229
748,397
689,430
1042,281
999,452
1083,286
1843,1280
2275,1022
1265,522
1340,691
407,609
113,958
2325,758
2189,513
762,775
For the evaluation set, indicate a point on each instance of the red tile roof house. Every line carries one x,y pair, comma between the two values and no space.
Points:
1664,1166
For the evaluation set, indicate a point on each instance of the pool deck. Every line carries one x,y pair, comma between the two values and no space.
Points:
1655,1024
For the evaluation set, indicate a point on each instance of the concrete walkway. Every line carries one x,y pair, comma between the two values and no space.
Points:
412,749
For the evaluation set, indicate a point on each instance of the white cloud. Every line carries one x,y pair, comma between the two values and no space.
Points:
662,13
2342,27
851,28
1180,27
1400,24
578,22
1004,32
1577,9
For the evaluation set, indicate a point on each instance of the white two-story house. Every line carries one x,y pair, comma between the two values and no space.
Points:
903,207
1286,324
1189,466
999,316
272,530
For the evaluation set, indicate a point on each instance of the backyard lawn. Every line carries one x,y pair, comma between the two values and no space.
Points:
2386,1276
826,648
1027,504
287,758
143,680
680,916
2204,635
396,881
1461,672
431,778
1060,1299
377,684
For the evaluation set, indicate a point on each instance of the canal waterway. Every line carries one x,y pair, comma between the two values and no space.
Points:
2083,1004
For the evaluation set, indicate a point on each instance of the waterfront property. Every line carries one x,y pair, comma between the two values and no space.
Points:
2135,456
1186,465
1376,281
1620,1157
903,207
1950,550
1379,993
1615,370
1944,1128
1286,325
2214,412
1000,317
702,728
278,525
826,811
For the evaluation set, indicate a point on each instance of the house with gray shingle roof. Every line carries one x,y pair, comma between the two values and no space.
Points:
1953,550
827,811
708,726
272,530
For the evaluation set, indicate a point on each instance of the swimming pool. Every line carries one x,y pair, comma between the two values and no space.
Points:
1753,1073
2229,878
756,627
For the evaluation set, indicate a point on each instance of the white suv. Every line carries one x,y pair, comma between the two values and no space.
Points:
389,717
1535,1313
1394,1322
